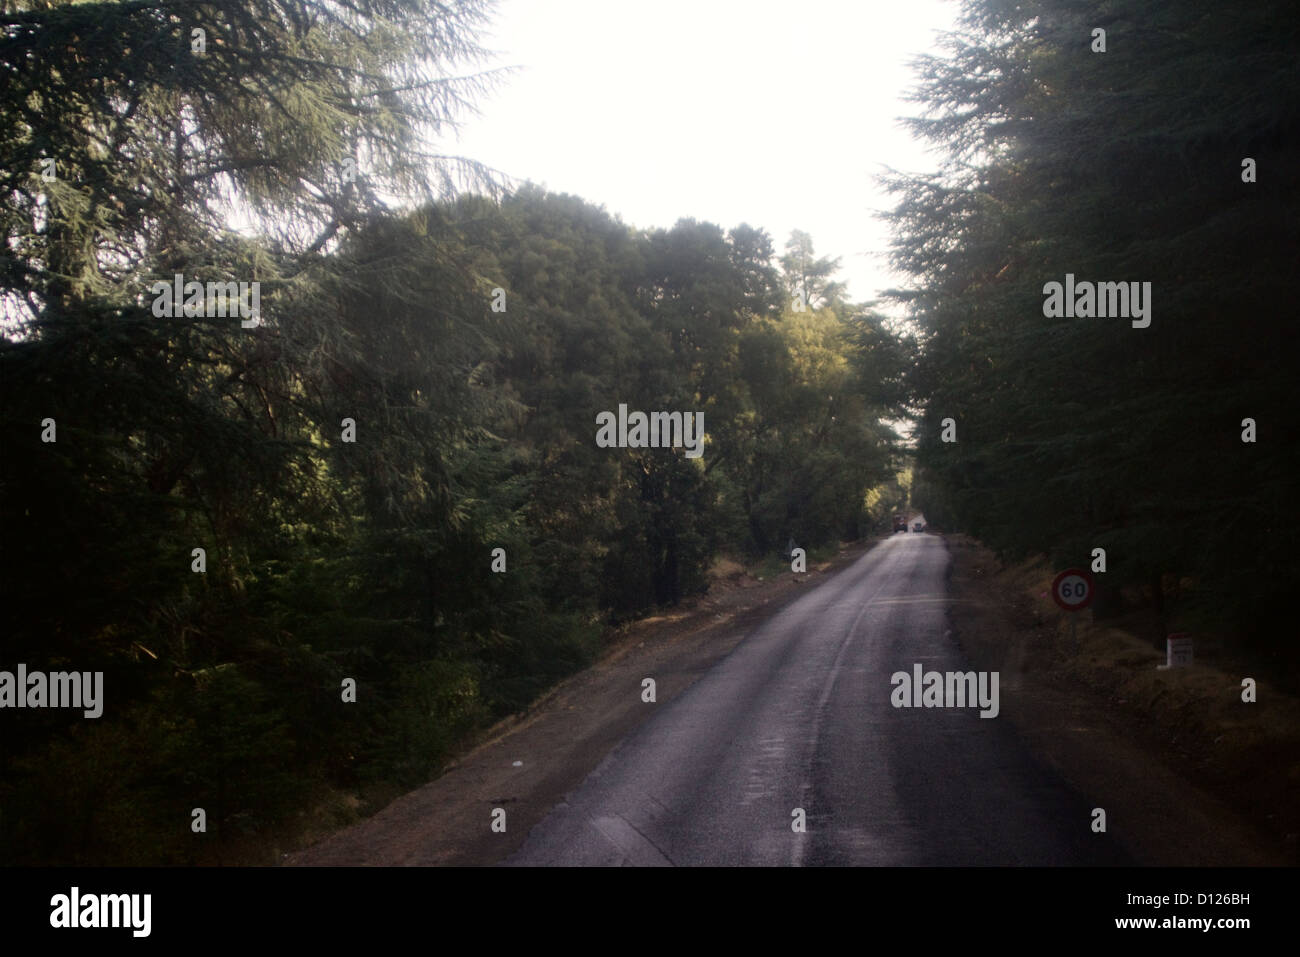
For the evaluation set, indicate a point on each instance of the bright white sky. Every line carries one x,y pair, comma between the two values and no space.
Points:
778,114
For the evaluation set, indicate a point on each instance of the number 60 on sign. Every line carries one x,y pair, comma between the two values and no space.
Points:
1073,589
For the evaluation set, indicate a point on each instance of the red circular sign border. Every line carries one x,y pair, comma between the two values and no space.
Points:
1056,583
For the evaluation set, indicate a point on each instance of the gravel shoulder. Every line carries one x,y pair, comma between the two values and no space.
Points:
1187,773
526,765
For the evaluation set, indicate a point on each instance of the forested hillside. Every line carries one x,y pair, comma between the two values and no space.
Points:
235,517
1161,151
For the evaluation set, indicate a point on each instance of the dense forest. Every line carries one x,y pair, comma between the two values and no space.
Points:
314,549
1162,150
419,389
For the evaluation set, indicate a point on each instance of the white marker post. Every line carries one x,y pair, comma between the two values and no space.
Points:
1178,651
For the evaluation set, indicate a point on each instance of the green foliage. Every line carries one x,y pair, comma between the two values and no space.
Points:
330,559
808,277
1123,166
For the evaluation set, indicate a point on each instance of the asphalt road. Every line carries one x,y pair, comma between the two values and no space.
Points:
799,715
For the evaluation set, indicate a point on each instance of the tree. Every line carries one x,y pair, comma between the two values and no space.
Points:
1083,432
808,277
194,431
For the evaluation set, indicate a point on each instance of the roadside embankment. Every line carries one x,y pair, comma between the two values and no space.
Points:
1189,773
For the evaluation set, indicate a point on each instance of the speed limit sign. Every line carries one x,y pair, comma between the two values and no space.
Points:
1073,589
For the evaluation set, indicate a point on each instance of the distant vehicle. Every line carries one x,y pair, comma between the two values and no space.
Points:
900,523
918,526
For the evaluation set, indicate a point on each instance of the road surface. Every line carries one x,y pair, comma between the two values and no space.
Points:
799,716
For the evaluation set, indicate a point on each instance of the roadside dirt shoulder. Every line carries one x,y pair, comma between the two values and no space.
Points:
527,764
1187,773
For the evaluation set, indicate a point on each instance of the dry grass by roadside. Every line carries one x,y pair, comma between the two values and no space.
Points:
1197,775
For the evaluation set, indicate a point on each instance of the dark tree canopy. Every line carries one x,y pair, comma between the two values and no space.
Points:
1075,433
231,516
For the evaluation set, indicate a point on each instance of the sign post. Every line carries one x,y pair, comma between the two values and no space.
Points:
1073,590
